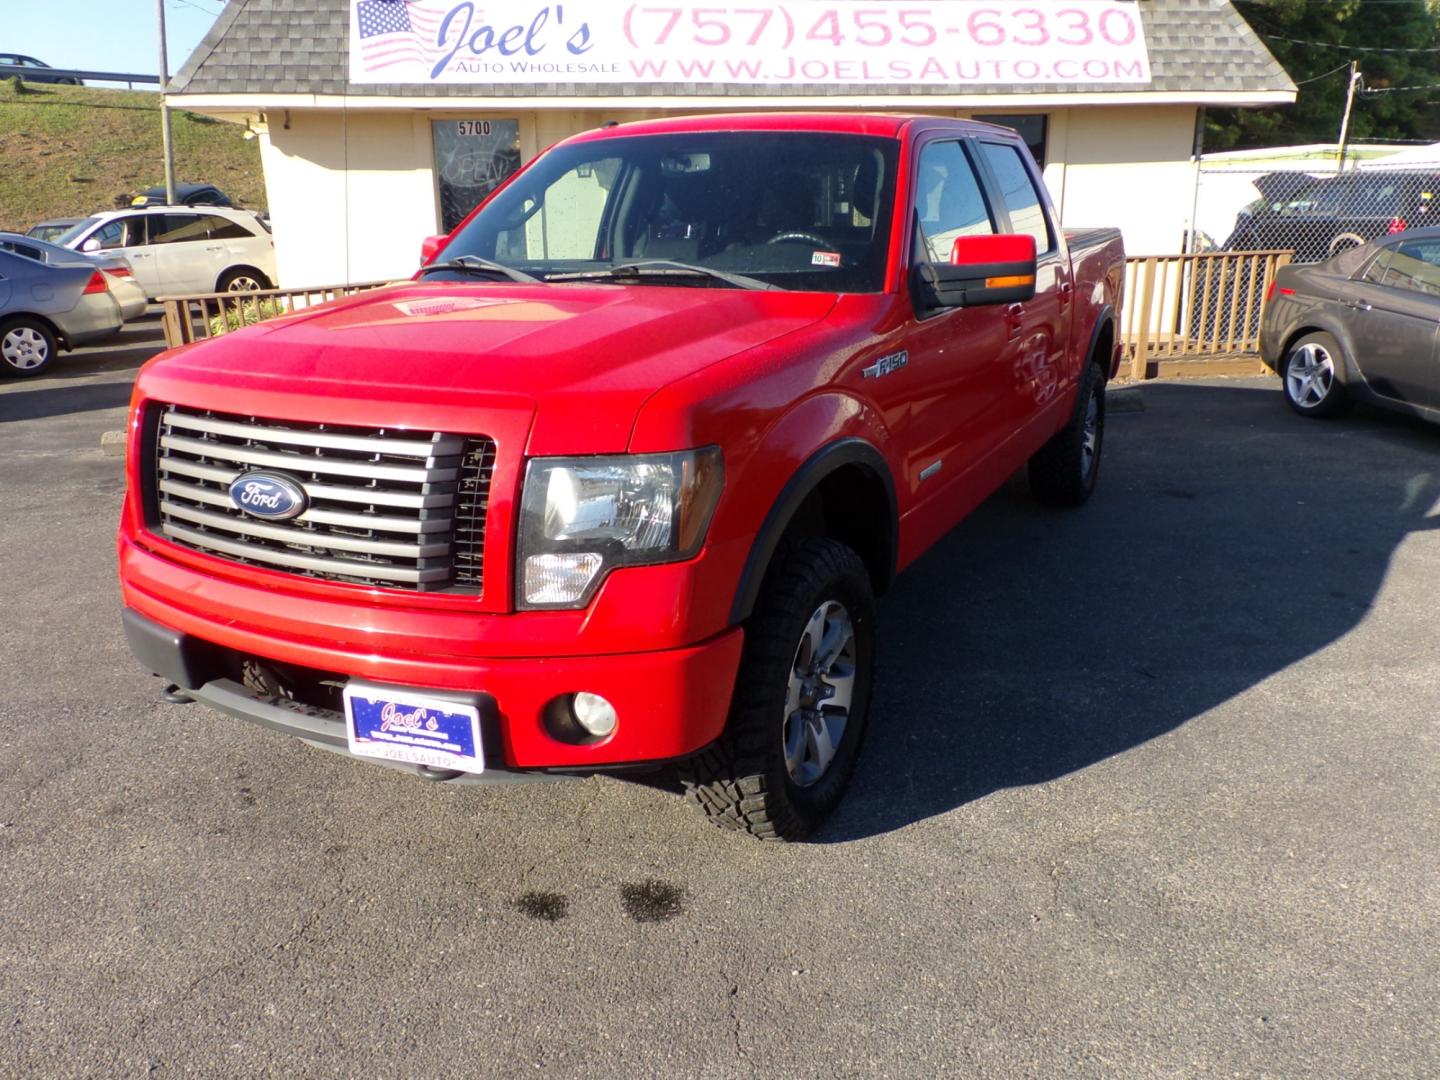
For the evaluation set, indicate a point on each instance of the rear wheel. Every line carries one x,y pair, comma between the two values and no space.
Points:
1310,373
1063,472
27,347
801,700
242,279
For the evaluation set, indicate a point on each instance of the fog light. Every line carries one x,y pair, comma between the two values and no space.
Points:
595,714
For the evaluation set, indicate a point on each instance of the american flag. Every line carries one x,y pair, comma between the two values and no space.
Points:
396,32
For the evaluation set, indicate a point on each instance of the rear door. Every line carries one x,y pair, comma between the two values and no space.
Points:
1394,312
1039,329
188,261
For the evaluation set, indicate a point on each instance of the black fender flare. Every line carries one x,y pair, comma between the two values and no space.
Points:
828,459
1107,315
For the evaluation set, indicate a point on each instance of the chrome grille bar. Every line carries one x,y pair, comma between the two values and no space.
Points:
389,507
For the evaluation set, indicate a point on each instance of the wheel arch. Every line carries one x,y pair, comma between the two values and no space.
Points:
1101,349
1347,370
242,268
48,323
845,491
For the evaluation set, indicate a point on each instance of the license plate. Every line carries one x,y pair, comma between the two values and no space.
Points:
398,726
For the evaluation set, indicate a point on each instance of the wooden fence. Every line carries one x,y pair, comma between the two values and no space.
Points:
1194,313
1195,309
190,318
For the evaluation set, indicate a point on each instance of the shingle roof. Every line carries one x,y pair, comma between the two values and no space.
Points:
302,47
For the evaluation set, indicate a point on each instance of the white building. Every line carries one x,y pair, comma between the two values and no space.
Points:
358,173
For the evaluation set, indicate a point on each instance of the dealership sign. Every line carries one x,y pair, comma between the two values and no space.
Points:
955,43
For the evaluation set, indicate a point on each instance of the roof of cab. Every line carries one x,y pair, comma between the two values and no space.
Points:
887,125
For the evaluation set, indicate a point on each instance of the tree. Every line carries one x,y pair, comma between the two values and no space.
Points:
1397,44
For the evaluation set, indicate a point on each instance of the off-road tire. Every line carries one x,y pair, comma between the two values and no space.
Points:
1061,472
741,781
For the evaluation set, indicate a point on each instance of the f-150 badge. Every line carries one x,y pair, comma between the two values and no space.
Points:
886,364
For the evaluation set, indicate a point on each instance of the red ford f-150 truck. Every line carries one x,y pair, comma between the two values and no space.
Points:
614,482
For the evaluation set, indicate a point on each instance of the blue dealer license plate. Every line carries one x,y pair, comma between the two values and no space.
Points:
397,726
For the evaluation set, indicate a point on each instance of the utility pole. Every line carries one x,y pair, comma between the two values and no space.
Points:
1349,106
169,149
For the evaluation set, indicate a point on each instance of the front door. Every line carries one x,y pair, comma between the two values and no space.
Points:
958,370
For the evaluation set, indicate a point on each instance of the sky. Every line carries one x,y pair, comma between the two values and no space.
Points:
104,35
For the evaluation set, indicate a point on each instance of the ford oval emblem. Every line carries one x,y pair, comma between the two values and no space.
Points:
268,495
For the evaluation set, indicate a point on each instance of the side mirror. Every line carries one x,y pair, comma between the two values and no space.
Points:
983,270
430,247
92,245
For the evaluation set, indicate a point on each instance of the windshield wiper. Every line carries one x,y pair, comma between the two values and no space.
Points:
474,264
662,268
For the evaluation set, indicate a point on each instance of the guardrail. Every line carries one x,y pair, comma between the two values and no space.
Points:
204,315
28,75
1205,306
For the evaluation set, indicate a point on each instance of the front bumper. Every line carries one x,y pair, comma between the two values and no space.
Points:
671,703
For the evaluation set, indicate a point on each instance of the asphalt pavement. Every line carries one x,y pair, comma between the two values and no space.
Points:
1149,791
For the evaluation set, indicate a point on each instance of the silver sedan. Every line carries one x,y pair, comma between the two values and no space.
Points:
47,306
1364,326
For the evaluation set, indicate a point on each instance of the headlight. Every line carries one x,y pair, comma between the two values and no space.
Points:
582,517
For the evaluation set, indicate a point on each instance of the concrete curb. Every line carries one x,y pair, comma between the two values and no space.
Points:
112,444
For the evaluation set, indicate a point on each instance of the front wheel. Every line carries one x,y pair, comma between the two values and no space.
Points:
801,700
1310,374
1063,472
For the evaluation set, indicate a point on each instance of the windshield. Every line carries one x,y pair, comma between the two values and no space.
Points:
796,210
69,235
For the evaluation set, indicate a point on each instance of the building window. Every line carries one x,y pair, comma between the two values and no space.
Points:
472,158
1030,126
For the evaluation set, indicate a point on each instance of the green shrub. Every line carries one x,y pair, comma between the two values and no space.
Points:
238,313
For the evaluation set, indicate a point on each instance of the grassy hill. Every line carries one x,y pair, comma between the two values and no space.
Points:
68,151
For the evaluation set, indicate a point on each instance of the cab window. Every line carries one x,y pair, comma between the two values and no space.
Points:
948,200
1018,189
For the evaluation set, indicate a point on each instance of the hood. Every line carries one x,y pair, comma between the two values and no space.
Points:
586,356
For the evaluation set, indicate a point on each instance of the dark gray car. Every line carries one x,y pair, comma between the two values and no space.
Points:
35,71
1363,326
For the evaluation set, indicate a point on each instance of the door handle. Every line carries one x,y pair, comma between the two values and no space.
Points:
1358,305
1015,319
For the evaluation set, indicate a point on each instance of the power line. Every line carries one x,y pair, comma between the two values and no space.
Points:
1345,48
1317,78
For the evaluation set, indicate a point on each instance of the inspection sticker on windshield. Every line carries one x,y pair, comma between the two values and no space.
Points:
398,726
825,258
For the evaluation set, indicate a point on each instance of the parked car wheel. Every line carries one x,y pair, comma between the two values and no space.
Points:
27,346
1310,373
1064,471
801,699
242,279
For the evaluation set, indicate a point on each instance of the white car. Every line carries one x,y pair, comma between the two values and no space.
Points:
182,250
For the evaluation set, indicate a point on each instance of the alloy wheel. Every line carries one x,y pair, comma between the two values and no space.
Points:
820,693
1310,375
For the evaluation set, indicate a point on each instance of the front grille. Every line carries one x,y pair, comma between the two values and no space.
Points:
399,509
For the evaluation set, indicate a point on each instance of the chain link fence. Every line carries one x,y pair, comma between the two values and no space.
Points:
1314,214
